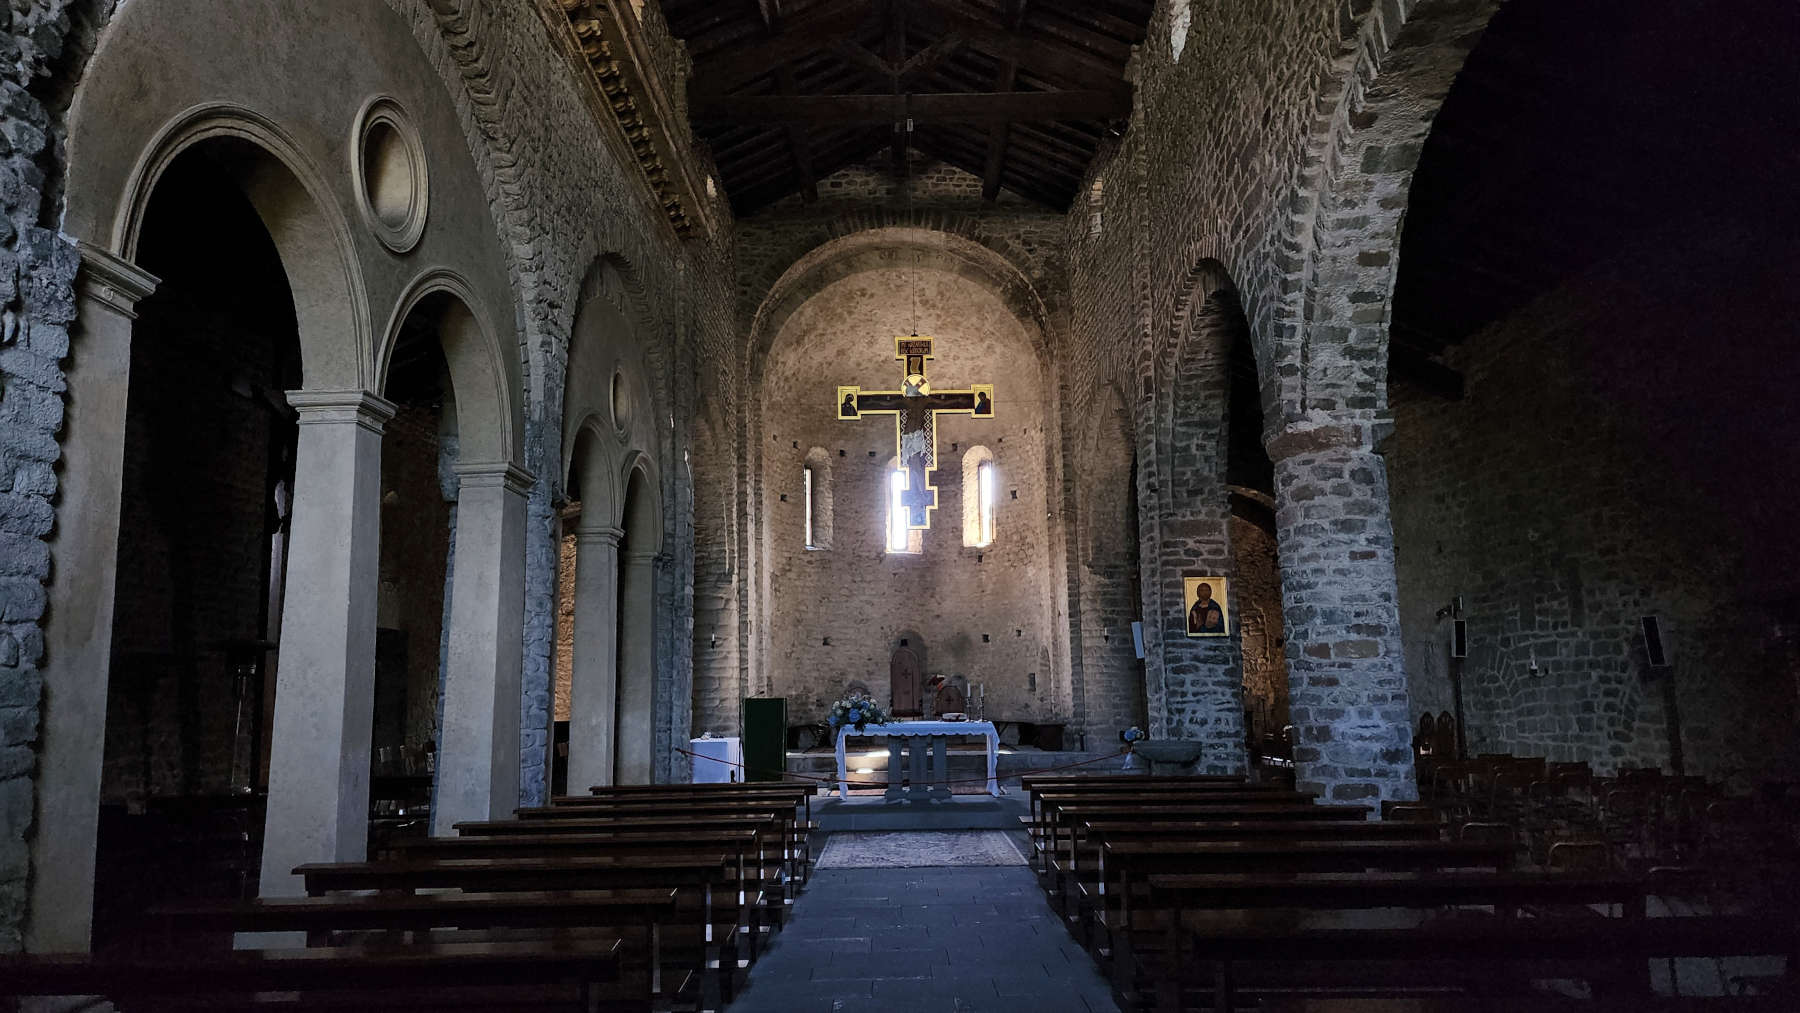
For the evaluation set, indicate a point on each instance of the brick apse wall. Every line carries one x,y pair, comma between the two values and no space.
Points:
981,613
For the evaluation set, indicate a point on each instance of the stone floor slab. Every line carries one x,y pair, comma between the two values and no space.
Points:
938,940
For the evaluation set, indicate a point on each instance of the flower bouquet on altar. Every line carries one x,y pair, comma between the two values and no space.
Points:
857,712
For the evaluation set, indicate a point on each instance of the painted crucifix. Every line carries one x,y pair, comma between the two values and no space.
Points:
915,407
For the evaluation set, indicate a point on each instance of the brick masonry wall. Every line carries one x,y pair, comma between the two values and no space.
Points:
1575,489
950,596
1021,237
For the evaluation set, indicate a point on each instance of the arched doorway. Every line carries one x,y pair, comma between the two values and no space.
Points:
202,547
905,678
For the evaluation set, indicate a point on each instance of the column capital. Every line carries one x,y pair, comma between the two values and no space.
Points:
112,280
494,474
609,537
338,407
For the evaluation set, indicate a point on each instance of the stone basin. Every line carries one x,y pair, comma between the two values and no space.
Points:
1165,753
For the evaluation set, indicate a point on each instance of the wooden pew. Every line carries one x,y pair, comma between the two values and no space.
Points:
1046,800
639,916
513,975
1062,814
1126,865
639,809
1480,958
715,878
1078,853
766,863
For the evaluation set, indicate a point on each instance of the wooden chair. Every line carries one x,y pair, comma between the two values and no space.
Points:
1446,737
1488,833
1580,856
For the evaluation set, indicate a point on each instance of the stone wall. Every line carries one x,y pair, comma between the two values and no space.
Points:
1268,157
37,303
1603,466
1261,631
936,214
834,614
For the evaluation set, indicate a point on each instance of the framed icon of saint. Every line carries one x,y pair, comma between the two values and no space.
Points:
1206,606
846,402
984,400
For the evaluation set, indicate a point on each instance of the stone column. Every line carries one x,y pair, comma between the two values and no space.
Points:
594,668
1340,601
478,755
637,669
325,689
84,551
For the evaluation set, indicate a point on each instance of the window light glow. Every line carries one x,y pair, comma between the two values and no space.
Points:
896,540
807,474
988,496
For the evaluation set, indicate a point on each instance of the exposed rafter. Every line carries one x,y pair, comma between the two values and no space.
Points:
968,107
1017,92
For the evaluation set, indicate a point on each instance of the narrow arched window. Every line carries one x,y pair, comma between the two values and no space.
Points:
815,476
980,497
900,536
807,473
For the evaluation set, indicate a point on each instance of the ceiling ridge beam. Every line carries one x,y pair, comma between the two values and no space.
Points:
937,107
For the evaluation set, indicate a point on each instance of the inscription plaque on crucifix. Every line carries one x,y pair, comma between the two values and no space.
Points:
915,407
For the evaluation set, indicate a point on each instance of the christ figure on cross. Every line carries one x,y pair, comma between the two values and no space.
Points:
915,407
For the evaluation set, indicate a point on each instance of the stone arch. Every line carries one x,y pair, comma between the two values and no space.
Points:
500,97
1110,691
1330,316
1194,687
759,285
879,246
485,378
1109,457
311,233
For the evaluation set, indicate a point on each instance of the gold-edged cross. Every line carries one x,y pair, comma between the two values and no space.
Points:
916,407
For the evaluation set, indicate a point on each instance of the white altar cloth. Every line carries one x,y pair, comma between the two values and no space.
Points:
912,729
717,760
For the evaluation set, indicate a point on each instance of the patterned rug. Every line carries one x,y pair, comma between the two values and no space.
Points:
913,849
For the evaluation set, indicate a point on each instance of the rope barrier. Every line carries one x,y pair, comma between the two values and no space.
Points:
785,773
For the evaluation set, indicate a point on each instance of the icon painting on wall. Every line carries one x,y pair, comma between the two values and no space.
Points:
847,402
1207,606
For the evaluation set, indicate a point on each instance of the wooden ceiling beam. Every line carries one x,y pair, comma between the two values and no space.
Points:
799,144
953,107
896,53
1014,13
1038,52
799,36
751,196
